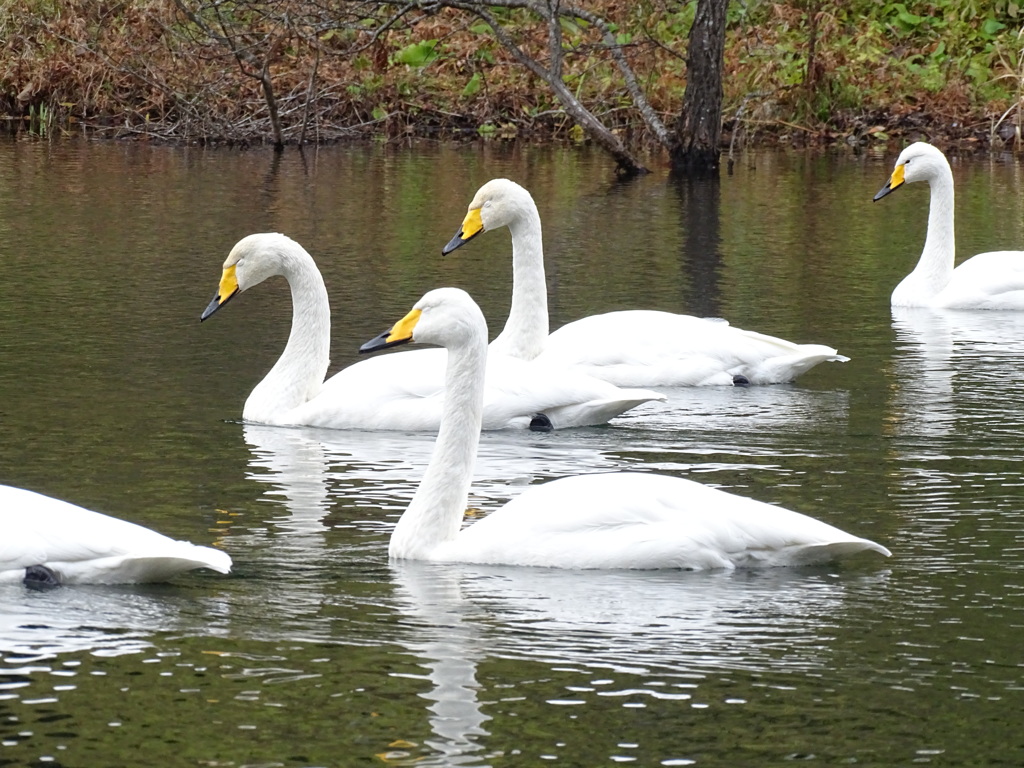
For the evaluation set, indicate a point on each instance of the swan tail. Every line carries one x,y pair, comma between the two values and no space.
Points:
600,411
138,568
828,552
786,368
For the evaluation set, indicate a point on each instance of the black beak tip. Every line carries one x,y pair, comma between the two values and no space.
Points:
454,243
377,342
211,308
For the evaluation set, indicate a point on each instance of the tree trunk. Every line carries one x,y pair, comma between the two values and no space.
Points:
699,129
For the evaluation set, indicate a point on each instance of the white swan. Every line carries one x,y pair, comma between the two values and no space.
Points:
395,391
632,348
47,541
616,520
993,280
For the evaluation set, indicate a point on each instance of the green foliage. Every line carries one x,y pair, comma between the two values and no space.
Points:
418,54
473,86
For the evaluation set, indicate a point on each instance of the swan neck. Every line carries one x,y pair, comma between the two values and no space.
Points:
934,269
434,516
298,374
526,329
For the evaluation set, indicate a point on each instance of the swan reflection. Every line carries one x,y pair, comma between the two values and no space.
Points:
957,372
621,634
104,621
312,471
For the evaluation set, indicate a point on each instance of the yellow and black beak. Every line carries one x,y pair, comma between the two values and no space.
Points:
228,288
472,226
400,333
894,183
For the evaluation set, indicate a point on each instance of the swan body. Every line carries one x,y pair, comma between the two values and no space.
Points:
993,280
396,392
614,520
79,546
634,348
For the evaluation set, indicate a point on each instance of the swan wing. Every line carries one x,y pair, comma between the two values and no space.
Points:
88,547
993,280
637,520
405,391
648,348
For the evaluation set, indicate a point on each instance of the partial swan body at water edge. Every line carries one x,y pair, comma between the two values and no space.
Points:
48,542
616,520
992,280
631,348
392,392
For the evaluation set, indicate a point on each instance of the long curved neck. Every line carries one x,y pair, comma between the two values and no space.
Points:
526,330
435,513
299,373
934,269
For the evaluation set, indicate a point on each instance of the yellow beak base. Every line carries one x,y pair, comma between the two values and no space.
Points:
400,333
228,288
472,226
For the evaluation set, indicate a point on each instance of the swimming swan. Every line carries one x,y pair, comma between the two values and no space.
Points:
632,348
403,391
993,280
47,542
615,520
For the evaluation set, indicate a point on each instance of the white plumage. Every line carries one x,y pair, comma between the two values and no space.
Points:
993,280
615,520
633,348
84,547
399,392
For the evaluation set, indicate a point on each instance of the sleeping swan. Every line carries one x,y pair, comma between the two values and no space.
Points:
615,520
633,348
993,280
46,542
403,392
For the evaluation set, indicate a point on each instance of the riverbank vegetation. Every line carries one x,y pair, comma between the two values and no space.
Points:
297,71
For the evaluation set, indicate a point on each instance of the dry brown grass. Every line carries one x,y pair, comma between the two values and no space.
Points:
143,69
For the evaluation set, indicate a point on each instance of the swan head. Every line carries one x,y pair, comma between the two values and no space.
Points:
918,162
498,203
253,259
445,316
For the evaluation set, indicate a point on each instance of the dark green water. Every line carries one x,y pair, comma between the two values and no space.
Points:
317,652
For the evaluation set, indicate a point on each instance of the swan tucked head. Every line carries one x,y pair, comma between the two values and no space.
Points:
498,203
918,162
253,259
445,316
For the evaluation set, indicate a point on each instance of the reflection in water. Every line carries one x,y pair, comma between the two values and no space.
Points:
446,638
645,635
105,621
956,371
954,414
308,470
699,203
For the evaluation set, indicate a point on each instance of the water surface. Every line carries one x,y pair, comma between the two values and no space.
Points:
318,652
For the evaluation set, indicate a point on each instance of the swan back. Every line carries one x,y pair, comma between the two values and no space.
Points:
635,520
